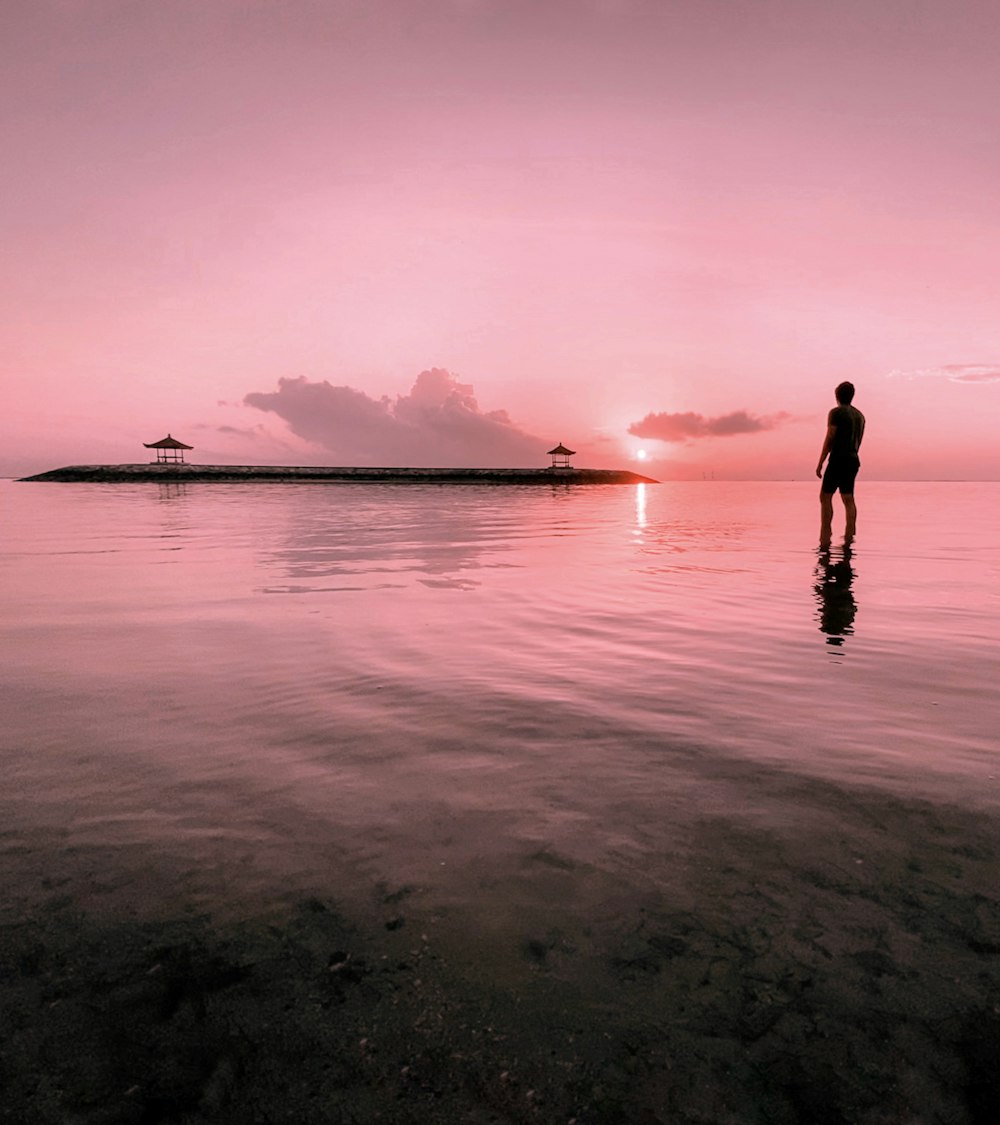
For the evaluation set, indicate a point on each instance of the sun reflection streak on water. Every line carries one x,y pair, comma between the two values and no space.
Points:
640,506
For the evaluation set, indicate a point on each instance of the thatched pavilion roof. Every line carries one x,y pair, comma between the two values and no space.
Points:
167,443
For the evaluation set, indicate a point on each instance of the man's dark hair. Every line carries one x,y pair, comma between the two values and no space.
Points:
844,393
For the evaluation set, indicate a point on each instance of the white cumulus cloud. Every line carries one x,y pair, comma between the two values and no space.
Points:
438,423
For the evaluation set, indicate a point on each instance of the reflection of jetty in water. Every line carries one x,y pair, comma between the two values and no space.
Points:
337,541
837,608
168,491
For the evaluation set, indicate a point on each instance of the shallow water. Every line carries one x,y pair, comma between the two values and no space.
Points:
626,793
247,687
421,682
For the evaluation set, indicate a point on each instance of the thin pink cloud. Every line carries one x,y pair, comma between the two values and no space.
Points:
954,373
690,426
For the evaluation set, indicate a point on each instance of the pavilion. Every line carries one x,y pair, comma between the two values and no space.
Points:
168,450
560,456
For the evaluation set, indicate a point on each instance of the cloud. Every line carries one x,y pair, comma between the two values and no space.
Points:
690,426
438,423
241,431
954,372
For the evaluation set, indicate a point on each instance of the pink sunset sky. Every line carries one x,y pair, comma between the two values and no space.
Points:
449,232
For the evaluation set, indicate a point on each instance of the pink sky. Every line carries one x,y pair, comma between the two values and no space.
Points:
256,224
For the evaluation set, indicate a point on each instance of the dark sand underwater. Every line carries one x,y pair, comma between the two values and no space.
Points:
841,969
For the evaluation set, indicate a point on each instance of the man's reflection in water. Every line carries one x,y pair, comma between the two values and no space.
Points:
836,605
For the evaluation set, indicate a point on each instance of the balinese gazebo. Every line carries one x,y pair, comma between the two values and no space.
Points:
560,456
168,450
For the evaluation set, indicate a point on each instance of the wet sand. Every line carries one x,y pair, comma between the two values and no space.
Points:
837,966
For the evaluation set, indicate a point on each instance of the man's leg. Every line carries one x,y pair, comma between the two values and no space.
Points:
826,518
850,513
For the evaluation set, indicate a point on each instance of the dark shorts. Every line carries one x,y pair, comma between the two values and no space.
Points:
840,474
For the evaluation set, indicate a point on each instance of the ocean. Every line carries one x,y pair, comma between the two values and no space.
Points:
640,763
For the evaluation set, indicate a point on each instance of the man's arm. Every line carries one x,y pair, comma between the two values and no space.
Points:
827,446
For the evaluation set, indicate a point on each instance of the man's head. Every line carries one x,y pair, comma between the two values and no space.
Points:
845,393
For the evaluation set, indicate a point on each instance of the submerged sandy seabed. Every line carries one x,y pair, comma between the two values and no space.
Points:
839,967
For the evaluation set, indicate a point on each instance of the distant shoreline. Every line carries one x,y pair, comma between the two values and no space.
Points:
173,474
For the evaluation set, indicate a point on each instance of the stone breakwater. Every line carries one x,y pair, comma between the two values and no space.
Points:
113,474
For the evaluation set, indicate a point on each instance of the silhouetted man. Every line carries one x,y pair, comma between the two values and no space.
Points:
845,427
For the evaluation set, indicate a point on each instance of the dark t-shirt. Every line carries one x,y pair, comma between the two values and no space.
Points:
850,429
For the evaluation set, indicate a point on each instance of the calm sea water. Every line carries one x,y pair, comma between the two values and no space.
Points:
219,693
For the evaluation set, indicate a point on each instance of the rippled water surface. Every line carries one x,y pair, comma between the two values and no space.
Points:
257,684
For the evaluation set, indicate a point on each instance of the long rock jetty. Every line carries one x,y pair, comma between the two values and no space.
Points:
283,474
